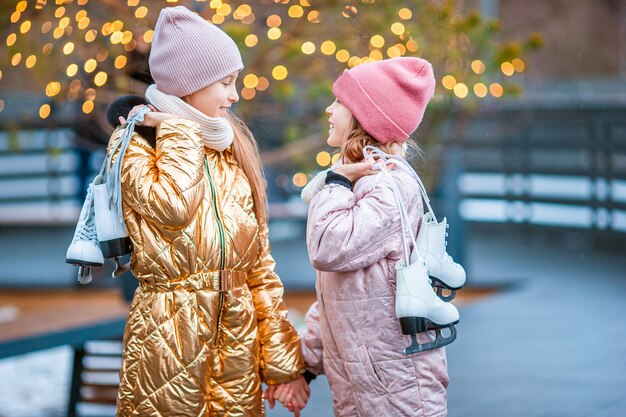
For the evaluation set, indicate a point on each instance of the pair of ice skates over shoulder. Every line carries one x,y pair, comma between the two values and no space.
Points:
425,272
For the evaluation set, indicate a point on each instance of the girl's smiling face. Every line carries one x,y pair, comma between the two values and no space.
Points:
215,100
339,119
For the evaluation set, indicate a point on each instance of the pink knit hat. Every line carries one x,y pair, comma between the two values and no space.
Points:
188,53
387,97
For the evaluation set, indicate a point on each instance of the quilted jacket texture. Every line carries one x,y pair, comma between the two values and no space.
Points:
189,349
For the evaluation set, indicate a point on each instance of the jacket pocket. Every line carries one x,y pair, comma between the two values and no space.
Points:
374,375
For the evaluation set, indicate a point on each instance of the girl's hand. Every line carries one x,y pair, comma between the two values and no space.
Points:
294,395
355,171
152,119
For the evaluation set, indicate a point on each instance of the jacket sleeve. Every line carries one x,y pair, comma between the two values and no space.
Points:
346,234
281,357
165,184
312,348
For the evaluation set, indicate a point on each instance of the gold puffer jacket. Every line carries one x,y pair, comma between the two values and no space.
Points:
198,342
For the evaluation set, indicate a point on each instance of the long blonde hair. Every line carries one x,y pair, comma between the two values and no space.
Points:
357,138
246,153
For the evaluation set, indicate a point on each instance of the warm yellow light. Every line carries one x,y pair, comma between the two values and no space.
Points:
90,36
132,3
45,28
461,90
147,36
274,34
16,59
11,39
507,68
214,4
279,72
107,29
328,47
127,36
100,78
478,66
377,41
47,49
305,3
323,158
264,84
518,64
0,74
335,157
299,179
251,40
53,88
71,70
68,48
58,13
401,48
21,6
397,28
58,32
295,11
65,22
80,15
405,14
376,55
120,61
480,90
244,10
313,16
1,101
248,93
496,90
251,81
393,52
274,21
25,27
130,46
83,23
224,10
448,82
116,37
354,61
31,61
87,106
44,111
308,48
412,45
342,55
117,26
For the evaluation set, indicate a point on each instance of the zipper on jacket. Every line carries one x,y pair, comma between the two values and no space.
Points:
220,228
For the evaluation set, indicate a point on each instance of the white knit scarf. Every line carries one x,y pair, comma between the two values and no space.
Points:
217,133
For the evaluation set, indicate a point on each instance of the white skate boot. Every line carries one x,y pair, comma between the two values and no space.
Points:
419,309
84,251
445,274
111,229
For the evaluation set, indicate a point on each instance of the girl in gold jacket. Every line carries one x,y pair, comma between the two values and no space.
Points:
207,324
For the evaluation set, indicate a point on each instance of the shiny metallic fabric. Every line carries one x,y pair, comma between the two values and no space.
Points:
199,341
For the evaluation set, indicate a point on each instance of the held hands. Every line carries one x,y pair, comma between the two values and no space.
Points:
151,119
294,395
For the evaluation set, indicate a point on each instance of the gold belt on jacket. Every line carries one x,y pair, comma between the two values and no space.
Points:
221,281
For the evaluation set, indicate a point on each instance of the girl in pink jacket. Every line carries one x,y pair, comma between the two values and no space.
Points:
354,239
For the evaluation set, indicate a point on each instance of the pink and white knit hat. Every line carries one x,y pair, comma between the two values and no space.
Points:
188,53
387,97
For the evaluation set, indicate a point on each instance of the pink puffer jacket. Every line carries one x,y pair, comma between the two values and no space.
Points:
352,334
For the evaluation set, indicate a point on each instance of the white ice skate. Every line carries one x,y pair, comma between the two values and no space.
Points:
111,229
84,251
445,274
419,309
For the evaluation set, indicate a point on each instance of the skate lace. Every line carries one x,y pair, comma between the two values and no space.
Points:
86,227
113,172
